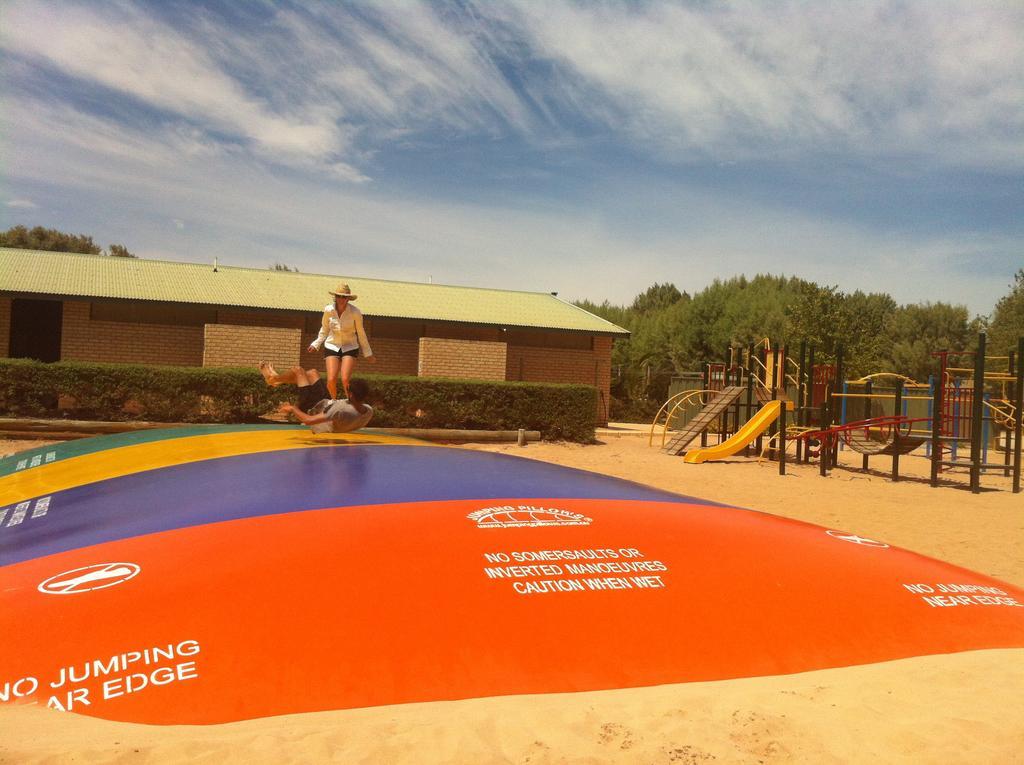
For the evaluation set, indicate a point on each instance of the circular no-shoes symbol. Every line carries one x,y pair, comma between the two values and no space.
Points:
855,539
87,578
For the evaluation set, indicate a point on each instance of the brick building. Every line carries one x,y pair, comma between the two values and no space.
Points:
63,306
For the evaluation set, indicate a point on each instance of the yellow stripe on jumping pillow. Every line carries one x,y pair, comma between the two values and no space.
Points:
126,460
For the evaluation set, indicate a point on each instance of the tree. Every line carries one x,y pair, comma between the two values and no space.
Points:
120,251
828,318
657,297
917,331
1007,322
51,240
283,267
734,312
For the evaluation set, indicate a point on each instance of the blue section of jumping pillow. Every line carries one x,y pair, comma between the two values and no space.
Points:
268,483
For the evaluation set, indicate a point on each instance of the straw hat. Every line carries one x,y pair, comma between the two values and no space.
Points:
342,290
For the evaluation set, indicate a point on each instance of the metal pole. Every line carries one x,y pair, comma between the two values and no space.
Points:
723,421
750,389
737,379
977,404
1011,370
810,392
706,383
759,443
1019,419
775,388
986,430
898,410
824,448
867,415
782,438
937,403
800,414
840,380
783,355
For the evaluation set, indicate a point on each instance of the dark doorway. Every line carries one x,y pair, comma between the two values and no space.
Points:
35,329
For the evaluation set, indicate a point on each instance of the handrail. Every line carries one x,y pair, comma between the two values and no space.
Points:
1002,416
880,395
761,363
683,399
908,382
888,423
763,384
654,422
793,432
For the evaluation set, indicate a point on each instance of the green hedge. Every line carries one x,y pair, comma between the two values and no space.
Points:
230,395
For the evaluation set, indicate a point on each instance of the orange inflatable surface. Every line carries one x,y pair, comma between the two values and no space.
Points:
353,605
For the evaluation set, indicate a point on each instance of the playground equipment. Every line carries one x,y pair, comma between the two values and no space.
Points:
952,411
192,576
884,414
678,407
742,399
971,405
793,436
718,403
753,428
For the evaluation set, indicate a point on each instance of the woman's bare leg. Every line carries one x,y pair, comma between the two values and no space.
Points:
333,364
348,365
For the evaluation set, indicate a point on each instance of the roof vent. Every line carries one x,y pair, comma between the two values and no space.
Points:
215,265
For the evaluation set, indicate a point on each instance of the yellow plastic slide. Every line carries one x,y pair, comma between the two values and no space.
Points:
754,427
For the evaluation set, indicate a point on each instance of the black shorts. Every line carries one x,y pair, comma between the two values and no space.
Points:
311,395
339,353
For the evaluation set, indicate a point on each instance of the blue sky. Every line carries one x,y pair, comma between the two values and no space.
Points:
588,148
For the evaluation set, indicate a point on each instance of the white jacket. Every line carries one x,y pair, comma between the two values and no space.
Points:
343,332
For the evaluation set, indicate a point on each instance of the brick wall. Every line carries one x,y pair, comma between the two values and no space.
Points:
5,327
447,350
463,332
565,365
462,359
120,342
261,318
603,359
394,356
236,345
309,360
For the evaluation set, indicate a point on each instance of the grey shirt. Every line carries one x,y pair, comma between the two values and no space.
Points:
344,416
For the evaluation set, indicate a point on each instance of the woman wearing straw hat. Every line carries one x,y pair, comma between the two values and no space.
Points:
343,339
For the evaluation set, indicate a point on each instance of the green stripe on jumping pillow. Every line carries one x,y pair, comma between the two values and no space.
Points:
44,455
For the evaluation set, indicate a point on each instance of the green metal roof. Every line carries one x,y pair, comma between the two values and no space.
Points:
100,276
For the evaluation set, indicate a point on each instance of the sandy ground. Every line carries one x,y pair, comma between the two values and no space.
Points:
962,708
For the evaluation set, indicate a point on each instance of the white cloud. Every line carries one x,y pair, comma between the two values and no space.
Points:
263,137
136,55
326,85
239,212
397,66
22,204
317,88
751,80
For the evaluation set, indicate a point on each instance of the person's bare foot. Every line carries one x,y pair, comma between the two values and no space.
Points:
269,373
